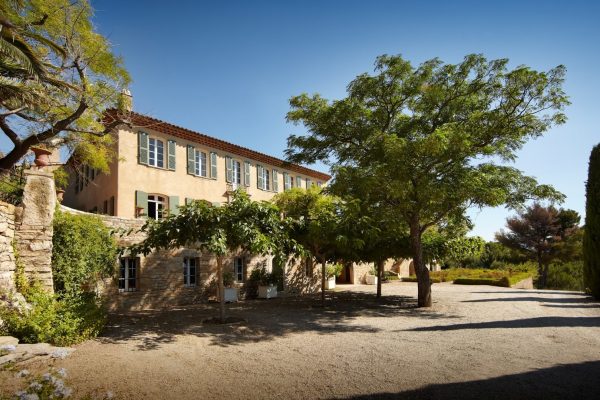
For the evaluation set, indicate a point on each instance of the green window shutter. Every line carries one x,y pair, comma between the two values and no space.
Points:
143,148
228,169
299,181
141,201
247,173
171,154
188,201
173,205
286,181
213,165
191,161
275,181
308,183
260,177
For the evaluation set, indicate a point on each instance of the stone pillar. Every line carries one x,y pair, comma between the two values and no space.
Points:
34,227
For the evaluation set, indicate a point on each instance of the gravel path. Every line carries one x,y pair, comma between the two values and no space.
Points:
477,342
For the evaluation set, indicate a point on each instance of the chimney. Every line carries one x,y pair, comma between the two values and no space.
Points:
125,101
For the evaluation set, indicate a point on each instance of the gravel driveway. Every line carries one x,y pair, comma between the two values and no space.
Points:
477,342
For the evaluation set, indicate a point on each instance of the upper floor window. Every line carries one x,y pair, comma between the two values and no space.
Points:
266,179
237,172
156,153
156,206
200,163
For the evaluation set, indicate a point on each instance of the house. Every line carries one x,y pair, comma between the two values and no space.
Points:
159,167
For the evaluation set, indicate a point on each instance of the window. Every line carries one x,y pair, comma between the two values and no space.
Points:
200,163
105,207
156,206
308,183
189,272
308,267
111,204
128,274
156,153
238,269
237,173
299,181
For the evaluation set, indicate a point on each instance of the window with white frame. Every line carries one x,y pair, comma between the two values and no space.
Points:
238,269
237,173
157,205
156,153
189,271
267,179
128,274
200,163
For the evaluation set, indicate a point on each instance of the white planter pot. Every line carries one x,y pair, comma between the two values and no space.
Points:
267,292
371,279
330,283
231,295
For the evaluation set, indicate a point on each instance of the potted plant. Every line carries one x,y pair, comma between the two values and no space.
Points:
332,271
231,292
61,180
42,156
371,277
265,281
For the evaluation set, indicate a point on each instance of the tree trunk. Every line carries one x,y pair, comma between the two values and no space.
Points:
542,273
380,264
221,289
323,277
423,282
12,158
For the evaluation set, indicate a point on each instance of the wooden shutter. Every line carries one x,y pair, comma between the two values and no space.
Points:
286,181
143,148
213,165
191,160
299,181
171,154
141,200
308,183
173,205
247,173
229,169
260,177
188,201
203,164
275,181
111,210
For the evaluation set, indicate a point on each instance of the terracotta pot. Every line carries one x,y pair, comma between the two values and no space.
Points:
60,194
42,156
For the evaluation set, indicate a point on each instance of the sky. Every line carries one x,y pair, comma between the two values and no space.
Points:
228,68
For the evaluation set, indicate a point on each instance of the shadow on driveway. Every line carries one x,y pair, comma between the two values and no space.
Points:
539,322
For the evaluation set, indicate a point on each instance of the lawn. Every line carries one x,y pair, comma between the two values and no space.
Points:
470,276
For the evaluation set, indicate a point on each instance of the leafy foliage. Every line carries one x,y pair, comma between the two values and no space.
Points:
565,276
57,78
83,253
591,241
426,138
12,185
542,233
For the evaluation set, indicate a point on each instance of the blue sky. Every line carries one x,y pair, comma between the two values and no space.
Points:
228,68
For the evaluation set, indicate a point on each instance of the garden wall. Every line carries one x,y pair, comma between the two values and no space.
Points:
7,256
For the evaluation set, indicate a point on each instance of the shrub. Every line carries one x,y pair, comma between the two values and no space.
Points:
566,276
334,270
591,238
83,252
11,186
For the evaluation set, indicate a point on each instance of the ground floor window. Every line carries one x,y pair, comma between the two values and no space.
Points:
189,272
308,267
238,269
128,274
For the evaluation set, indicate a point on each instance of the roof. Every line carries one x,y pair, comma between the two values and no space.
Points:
144,121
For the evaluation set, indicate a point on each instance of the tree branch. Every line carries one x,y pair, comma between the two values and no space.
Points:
12,135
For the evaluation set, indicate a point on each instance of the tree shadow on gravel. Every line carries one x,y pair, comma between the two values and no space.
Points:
565,382
559,300
263,319
539,322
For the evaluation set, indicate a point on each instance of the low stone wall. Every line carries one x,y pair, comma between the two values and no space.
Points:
7,256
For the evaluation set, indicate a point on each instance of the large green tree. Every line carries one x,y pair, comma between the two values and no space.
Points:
242,224
57,78
542,234
433,136
591,239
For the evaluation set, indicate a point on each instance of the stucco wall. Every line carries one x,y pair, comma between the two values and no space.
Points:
7,256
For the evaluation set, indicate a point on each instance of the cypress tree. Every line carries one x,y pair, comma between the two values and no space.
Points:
591,239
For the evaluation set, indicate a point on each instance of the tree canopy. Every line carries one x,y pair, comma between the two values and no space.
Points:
435,137
57,78
591,240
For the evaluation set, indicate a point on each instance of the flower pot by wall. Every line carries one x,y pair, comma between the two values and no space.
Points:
267,292
60,195
42,156
330,283
231,295
371,279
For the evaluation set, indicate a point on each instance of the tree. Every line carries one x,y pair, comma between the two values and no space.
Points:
57,78
591,239
540,233
430,136
317,224
255,227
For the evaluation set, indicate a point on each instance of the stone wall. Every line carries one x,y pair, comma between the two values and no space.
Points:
7,256
33,233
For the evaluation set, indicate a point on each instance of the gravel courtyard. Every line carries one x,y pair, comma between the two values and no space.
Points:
476,342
